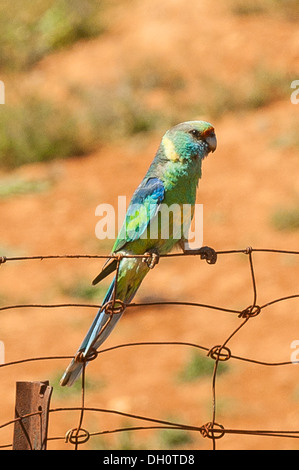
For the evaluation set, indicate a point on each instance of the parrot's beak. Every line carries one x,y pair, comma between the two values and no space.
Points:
211,141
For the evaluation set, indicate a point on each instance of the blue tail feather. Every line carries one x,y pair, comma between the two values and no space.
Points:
93,338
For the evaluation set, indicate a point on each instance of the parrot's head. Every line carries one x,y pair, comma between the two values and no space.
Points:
189,141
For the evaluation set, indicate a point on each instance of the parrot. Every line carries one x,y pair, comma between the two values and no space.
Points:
172,178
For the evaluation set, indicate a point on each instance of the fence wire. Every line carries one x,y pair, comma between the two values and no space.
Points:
212,430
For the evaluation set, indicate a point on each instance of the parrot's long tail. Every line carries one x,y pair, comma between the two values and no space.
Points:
99,330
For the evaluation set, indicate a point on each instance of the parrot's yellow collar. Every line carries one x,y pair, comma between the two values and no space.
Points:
169,149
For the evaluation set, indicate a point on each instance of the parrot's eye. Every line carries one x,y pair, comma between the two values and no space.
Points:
195,133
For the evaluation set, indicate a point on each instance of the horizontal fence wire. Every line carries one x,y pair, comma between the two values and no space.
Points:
221,352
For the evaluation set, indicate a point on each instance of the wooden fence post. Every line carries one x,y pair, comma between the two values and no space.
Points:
32,399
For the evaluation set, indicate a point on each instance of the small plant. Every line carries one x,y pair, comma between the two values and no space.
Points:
126,440
172,438
113,113
267,86
35,130
28,33
241,8
260,87
287,139
286,219
199,366
83,289
13,186
76,389
288,9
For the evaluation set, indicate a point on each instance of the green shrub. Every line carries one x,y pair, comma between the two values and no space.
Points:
286,9
286,219
200,366
174,438
29,32
83,289
35,130
259,88
14,186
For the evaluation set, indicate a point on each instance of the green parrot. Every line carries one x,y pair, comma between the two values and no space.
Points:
171,179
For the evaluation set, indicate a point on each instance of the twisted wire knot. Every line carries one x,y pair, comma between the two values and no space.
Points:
89,357
251,311
115,307
210,430
77,436
220,353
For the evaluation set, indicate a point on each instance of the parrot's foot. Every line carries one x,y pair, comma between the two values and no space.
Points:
205,252
151,260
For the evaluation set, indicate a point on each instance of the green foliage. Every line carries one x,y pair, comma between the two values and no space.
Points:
287,139
84,290
286,219
268,85
286,9
259,88
115,113
173,439
199,366
76,388
30,31
149,75
130,439
36,130
126,439
14,186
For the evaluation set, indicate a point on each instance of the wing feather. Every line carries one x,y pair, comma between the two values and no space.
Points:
143,207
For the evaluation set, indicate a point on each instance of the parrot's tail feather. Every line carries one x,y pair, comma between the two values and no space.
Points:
108,268
99,330
73,371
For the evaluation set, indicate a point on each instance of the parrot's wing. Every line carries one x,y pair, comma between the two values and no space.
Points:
143,207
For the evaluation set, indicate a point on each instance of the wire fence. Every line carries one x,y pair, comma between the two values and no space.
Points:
212,430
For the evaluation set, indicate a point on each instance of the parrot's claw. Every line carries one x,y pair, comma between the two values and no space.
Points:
205,252
152,259
209,254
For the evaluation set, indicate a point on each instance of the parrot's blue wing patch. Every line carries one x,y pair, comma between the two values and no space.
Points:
143,207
